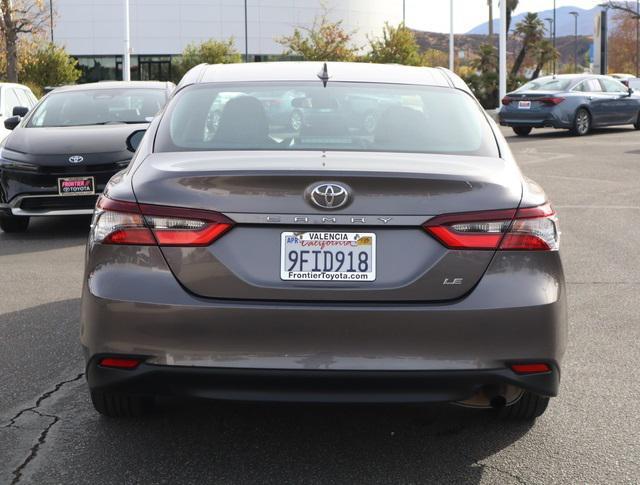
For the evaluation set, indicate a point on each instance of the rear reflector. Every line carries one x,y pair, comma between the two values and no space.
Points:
119,363
530,368
530,229
119,222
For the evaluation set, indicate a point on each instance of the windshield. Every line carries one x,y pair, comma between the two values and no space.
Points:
98,107
547,84
342,116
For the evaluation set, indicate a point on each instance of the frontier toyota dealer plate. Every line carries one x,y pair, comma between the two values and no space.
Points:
76,186
328,256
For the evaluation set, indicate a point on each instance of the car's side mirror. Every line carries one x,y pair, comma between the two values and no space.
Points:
630,91
12,122
20,111
134,139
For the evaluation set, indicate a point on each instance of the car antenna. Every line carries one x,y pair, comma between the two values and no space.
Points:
324,75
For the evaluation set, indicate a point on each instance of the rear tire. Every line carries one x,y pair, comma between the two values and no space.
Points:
581,123
117,405
522,130
529,407
636,125
12,224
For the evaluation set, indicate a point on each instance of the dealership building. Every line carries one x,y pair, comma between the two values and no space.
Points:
93,30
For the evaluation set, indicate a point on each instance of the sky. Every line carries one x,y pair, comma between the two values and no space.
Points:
433,15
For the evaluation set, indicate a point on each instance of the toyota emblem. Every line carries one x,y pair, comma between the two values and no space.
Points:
76,159
329,195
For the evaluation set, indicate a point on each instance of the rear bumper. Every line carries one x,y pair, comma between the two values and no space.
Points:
517,313
314,385
543,119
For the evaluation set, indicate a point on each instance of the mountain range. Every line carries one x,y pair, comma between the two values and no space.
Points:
565,21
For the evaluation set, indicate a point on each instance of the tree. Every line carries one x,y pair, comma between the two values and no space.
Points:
48,65
434,58
530,31
484,80
623,48
544,52
396,46
511,6
19,17
325,40
210,52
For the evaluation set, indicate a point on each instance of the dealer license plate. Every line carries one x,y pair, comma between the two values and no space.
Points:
328,256
524,104
76,186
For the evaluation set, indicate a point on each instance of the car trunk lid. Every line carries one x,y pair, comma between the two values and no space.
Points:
264,193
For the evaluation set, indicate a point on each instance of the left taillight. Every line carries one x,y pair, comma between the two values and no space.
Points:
527,229
120,222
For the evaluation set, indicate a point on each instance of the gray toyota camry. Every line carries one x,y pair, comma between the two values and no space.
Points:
412,262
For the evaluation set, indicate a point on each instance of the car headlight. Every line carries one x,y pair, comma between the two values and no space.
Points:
10,164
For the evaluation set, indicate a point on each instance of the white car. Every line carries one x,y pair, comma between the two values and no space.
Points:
12,96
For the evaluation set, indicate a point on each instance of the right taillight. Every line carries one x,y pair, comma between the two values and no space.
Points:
527,229
120,222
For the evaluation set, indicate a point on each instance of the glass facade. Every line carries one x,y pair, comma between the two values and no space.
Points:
109,68
145,68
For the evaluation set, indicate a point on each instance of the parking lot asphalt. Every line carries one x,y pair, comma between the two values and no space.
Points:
49,433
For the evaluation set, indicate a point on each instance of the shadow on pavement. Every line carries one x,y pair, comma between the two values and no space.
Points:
201,442
47,233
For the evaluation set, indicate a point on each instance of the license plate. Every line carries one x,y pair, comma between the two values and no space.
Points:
76,186
524,104
328,256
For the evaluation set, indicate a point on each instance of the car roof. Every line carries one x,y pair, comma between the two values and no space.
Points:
13,85
115,85
309,70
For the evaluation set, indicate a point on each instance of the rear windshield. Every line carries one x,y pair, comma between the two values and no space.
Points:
98,107
341,116
547,84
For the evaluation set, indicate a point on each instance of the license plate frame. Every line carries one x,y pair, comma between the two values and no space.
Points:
524,104
73,189
319,267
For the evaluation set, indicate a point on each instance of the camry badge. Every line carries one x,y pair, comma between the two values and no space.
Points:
76,159
329,195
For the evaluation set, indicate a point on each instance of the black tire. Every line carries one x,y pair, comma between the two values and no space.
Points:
116,405
14,223
636,125
522,130
581,123
530,406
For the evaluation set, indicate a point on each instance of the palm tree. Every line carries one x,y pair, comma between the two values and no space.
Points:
487,60
490,5
530,31
544,53
511,6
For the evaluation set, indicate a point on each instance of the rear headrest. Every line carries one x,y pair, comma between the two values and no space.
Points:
243,121
400,125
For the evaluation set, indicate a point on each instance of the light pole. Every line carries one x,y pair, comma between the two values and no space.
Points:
637,38
451,53
554,36
575,36
502,52
246,34
404,11
126,61
51,18
550,21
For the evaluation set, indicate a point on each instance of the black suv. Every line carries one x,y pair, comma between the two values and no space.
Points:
61,154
